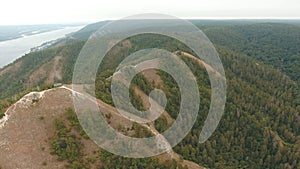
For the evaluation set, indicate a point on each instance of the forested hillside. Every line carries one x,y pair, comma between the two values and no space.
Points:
260,127
261,124
275,44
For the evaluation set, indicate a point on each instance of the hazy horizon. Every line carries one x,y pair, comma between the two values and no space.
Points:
33,12
187,18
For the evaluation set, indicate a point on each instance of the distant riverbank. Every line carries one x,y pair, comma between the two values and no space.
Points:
11,50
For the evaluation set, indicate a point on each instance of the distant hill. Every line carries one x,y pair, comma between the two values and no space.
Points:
87,31
16,31
271,43
260,126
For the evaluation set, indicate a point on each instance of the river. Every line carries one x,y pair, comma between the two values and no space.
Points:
11,50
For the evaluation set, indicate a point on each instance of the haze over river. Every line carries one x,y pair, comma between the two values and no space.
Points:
11,50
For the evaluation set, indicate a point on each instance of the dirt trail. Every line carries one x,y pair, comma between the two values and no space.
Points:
24,102
161,141
200,62
25,134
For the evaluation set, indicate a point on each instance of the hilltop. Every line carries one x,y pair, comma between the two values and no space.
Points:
30,127
259,129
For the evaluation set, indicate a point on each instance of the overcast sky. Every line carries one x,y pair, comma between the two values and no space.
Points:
70,11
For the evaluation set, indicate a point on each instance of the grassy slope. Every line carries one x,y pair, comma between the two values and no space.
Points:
261,102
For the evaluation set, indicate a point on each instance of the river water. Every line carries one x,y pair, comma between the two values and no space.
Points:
13,49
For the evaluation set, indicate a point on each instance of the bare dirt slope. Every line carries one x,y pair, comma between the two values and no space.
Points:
13,67
28,128
25,135
48,72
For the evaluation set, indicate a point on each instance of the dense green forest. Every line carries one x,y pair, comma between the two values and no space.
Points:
260,127
274,44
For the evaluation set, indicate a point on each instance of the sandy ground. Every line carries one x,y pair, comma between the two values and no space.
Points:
27,132
25,136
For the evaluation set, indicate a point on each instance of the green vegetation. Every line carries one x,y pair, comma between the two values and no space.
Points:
161,124
64,141
260,127
271,43
140,132
172,92
243,138
2,115
74,123
66,144
14,82
114,161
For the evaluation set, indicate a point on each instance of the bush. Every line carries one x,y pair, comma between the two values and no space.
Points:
2,115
